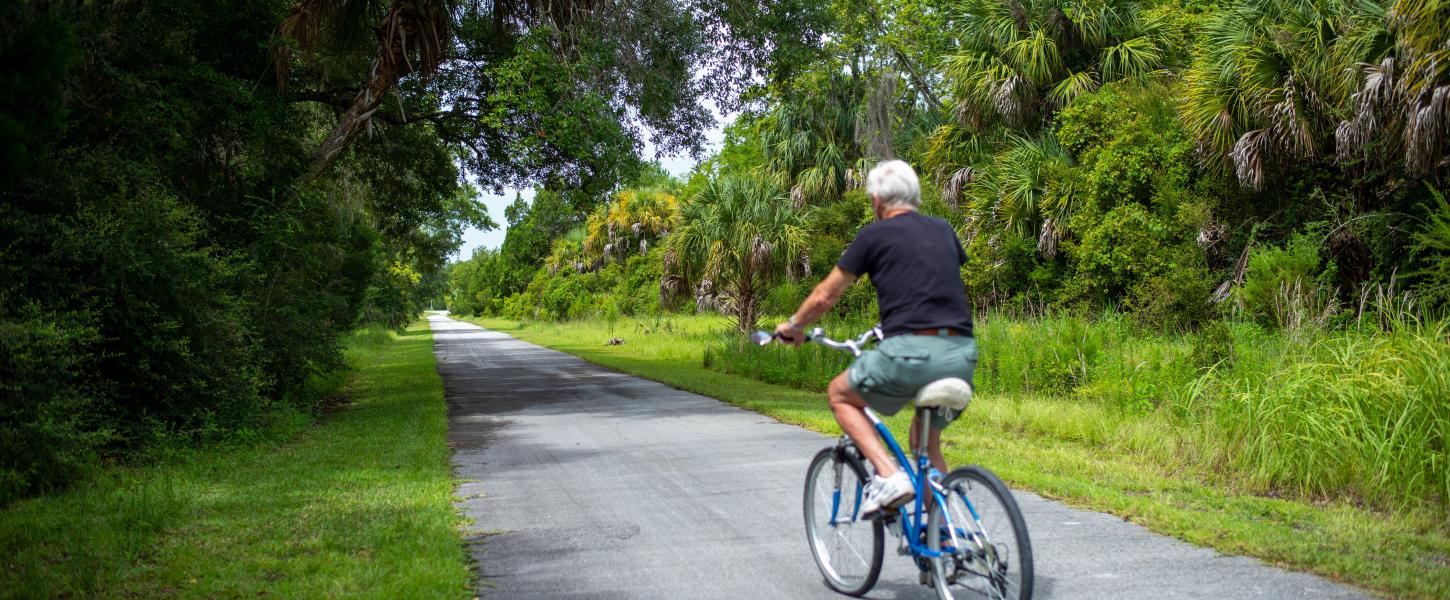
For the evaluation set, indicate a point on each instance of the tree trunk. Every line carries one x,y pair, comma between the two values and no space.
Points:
351,123
747,316
917,80
407,26
746,303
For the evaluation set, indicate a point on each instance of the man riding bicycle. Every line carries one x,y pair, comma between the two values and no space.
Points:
914,263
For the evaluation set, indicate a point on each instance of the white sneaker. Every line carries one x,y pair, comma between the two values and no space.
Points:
886,492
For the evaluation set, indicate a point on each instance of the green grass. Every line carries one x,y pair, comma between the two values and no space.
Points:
1357,415
359,505
1089,448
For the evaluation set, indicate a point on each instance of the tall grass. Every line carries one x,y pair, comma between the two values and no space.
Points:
1367,415
1362,414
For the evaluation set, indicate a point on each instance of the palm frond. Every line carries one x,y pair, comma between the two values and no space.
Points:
1072,86
1035,57
1131,59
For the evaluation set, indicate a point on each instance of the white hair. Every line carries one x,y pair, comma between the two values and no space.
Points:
894,184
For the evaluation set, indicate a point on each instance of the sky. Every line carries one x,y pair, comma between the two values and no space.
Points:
676,165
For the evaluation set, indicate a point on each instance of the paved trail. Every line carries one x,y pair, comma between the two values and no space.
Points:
588,483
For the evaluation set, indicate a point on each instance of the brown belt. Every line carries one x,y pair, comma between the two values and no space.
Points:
941,331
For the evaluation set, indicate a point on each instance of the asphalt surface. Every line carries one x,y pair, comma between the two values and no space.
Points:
586,483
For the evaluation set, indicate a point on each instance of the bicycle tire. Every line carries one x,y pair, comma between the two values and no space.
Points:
989,565
822,550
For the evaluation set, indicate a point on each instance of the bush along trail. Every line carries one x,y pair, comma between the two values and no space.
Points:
358,505
1186,468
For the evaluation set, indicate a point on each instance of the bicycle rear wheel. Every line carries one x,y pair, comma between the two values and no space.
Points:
847,549
990,554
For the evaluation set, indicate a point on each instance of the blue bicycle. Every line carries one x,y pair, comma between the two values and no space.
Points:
964,531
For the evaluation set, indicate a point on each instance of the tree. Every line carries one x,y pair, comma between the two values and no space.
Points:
1273,78
813,145
737,239
636,218
536,91
1021,60
1025,189
411,38
157,277
1402,107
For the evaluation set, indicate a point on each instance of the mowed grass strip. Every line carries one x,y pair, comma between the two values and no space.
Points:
1049,446
359,505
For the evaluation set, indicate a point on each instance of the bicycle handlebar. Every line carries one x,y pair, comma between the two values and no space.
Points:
818,335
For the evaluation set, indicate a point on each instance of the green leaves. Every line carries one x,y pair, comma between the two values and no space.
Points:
738,239
1071,87
1132,59
1023,60
1035,56
1270,82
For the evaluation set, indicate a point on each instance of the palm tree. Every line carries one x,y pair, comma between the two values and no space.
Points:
1272,79
738,238
950,153
636,218
1020,60
813,147
567,252
1027,189
1404,101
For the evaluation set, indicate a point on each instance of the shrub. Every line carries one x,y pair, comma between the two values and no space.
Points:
784,299
1283,287
1000,266
1129,143
1433,244
638,291
49,429
1126,248
1176,300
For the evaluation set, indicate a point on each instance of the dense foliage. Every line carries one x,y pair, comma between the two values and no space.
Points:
198,199
1277,160
1236,173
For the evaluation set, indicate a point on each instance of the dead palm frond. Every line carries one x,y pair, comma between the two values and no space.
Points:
952,191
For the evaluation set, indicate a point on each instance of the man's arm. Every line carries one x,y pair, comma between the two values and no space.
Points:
822,298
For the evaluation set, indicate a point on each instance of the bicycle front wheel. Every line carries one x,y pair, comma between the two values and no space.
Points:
847,548
983,537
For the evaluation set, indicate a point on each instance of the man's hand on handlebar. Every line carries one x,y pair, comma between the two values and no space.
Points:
790,333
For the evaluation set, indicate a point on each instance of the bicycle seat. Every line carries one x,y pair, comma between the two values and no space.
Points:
952,393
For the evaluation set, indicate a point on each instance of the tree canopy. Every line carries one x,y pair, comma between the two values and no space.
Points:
200,199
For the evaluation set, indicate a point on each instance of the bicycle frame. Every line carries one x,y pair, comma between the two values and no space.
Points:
923,477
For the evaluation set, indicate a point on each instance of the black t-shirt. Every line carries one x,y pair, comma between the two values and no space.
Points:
914,261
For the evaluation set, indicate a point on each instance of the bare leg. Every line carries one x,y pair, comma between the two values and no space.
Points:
850,412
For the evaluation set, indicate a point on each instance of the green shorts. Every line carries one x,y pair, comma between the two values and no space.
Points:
889,376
